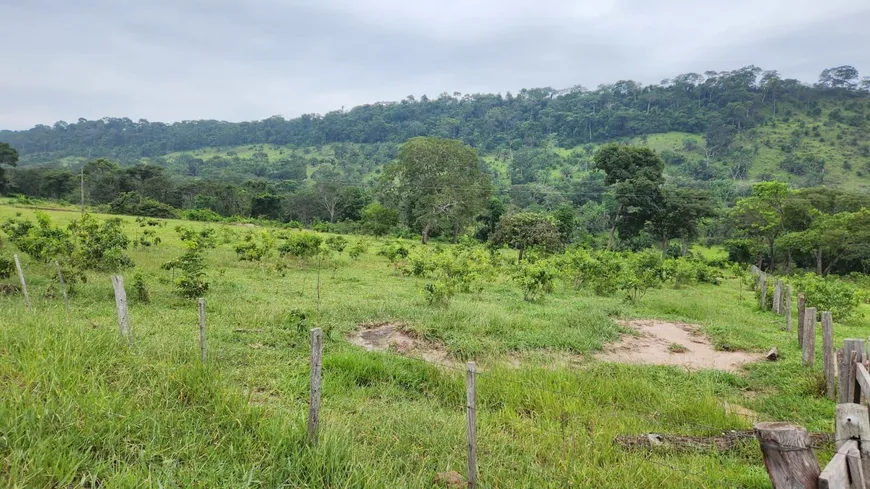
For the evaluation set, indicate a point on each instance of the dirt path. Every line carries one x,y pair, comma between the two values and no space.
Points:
667,343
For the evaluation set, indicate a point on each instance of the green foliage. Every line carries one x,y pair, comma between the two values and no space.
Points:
336,243
7,267
439,292
536,278
301,245
460,268
43,241
203,215
642,271
528,230
359,247
256,246
598,270
829,294
135,204
140,288
193,281
689,271
394,251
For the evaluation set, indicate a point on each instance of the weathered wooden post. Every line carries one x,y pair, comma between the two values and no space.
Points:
802,310
777,297
828,354
788,456
315,390
62,288
471,423
762,283
23,283
853,352
788,315
852,423
201,307
121,306
809,346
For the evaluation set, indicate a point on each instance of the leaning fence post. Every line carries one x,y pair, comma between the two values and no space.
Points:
314,394
62,288
852,423
788,456
201,306
777,297
471,423
853,351
121,305
23,283
809,346
788,318
802,311
828,353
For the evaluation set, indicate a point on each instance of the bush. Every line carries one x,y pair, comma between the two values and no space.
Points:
7,267
192,282
642,271
439,292
536,279
134,203
361,246
253,249
301,245
336,243
140,289
203,215
830,294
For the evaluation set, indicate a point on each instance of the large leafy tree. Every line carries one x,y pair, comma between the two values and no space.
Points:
761,216
635,174
528,229
436,184
678,213
8,156
832,237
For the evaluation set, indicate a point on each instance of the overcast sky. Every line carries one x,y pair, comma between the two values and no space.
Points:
170,60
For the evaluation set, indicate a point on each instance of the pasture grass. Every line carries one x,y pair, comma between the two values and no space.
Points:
79,408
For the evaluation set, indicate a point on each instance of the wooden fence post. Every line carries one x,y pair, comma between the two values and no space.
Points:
788,315
762,283
809,347
802,311
852,423
777,297
853,351
788,456
201,306
62,288
828,354
314,393
121,305
23,283
471,423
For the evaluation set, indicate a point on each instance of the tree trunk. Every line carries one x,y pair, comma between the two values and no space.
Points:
665,242
522,249
613,229
455,232
425,234
819,261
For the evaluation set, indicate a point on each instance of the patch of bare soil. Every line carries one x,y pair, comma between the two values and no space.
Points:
395,337
667,343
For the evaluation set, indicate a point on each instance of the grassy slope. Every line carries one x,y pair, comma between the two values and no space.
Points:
78,405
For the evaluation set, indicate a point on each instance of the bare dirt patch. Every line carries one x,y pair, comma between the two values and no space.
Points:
667,343
395,337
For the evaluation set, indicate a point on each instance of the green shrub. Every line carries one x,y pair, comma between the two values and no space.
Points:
140,288
535,278
135,204
192,282
203,215
439,292
336,243
642,271
301,245
359,247
256,246
829,293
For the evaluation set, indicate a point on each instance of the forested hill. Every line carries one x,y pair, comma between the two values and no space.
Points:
734,125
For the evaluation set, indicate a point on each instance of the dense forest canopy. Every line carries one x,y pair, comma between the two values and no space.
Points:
716,104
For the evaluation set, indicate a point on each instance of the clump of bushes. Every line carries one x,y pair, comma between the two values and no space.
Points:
301,245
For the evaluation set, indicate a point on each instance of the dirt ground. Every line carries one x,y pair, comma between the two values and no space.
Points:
395,337
667,343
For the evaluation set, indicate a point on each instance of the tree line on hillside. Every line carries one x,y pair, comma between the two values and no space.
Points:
440,188
718,105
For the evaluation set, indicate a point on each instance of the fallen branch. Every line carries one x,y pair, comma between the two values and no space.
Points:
725,441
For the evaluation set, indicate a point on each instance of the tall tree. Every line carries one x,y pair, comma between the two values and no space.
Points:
635,173
527,229
678,213
8,156
762,215
436,183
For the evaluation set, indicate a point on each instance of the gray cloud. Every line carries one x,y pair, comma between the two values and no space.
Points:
188,59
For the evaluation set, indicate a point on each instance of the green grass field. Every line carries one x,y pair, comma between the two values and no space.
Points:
80,408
